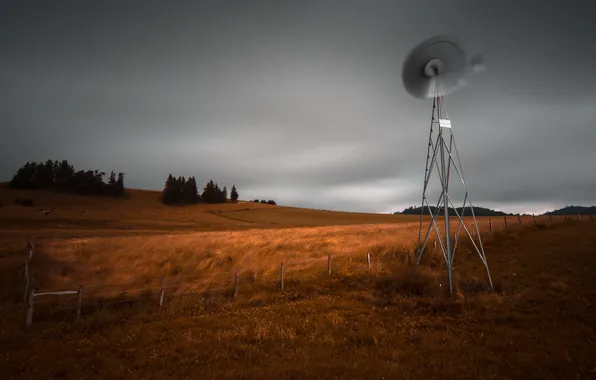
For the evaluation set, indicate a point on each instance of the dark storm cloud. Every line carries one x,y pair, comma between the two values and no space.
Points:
301,100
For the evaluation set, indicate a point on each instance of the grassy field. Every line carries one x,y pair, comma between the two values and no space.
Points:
394,321
142,213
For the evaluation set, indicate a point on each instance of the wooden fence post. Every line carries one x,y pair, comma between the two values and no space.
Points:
80,295
26,279
368,259
30,299
27,260
519,219
550,217
162,291
490,225
505,219
236,284
534,217
578,216
281,276
329,264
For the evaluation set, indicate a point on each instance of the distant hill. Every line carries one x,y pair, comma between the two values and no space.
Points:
478,211
573,210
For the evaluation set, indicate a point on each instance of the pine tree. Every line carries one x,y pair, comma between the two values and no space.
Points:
209,194
224,195
120,185
166,194
189,191
234,194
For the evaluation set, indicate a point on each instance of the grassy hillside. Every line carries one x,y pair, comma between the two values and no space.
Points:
388,321
395,323
142,212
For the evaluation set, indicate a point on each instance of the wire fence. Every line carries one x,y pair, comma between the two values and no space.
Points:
157,290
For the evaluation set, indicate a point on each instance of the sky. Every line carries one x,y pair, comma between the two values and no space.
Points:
302,101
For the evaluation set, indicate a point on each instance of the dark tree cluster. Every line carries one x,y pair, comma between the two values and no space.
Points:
180,191
269,202
184,191
54,175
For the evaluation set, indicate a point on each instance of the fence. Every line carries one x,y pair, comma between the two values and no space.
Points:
166,287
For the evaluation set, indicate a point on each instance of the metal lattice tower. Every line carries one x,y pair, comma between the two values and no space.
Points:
442,158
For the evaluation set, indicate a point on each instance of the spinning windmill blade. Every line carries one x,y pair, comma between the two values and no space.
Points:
435,68
437,58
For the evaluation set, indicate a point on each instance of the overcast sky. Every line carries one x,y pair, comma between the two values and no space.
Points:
302,101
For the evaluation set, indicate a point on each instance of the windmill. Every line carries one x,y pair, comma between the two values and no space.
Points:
433,69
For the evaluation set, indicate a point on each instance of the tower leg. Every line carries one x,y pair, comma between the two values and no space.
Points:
445,186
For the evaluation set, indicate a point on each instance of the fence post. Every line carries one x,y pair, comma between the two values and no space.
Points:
490,225
281,276
162,291
26,279
27,260
329,264
578,216
519,219
550,217
505,219
80,294
30,299
236,284
534,217
368,259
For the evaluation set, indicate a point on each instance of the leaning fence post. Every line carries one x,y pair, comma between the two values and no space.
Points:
505,219
161,292
80,294
329,264
235,284
30,299
27,260
490,224
281,276
534,217
368,259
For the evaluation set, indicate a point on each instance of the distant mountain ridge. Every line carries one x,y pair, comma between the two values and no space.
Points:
573,210
483,211
478,211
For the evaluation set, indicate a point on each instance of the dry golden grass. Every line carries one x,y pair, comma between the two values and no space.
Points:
394,322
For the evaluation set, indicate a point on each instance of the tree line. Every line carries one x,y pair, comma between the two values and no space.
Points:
181,190
62,176
269,202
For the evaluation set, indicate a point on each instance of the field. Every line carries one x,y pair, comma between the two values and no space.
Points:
391,320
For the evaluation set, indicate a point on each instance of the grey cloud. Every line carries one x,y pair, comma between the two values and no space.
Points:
301,100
